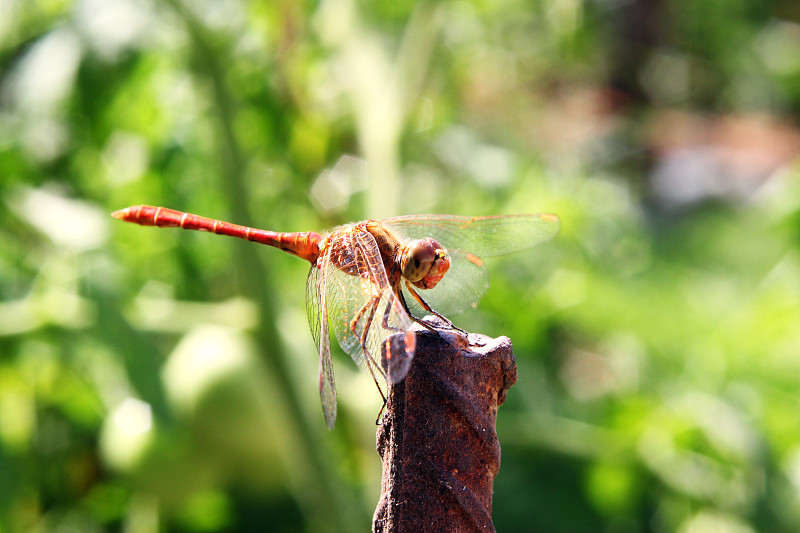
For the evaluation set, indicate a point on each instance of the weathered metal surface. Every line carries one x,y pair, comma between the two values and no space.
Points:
437,439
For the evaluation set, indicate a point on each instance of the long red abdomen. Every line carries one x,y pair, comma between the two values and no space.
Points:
304,244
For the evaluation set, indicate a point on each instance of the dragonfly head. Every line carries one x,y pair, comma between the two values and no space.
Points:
424,263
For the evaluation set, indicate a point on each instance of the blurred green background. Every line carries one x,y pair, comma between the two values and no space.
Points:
160,380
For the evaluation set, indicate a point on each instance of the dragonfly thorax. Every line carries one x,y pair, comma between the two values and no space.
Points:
424,263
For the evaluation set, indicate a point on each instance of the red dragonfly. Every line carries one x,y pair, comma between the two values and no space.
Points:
365,277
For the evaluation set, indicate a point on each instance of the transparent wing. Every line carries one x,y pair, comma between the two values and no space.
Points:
364,310
467,240
480,236
317,307
461,288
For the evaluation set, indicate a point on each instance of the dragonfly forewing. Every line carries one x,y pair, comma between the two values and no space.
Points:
468,240
480,236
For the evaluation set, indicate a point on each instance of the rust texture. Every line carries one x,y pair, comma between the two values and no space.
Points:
438,440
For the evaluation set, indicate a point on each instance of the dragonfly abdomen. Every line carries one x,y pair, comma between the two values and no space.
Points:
304,244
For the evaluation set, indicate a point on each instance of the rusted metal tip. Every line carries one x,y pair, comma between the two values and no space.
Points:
438,440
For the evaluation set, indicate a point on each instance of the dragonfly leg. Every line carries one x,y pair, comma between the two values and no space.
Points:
371,306
380,413
388,311
415,319
428,308
385,324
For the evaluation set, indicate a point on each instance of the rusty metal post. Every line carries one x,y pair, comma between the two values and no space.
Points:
438,440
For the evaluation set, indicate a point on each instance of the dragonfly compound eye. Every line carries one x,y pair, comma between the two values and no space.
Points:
424,263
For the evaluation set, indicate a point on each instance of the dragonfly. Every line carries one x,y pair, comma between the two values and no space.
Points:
367,278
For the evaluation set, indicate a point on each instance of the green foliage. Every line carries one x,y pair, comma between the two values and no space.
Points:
163,380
